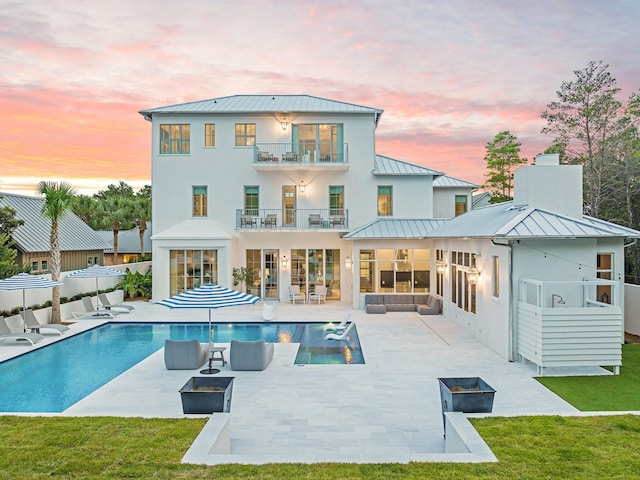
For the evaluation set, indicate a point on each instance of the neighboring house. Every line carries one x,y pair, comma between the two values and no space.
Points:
534,278
275,184
447,187
79,244
128,244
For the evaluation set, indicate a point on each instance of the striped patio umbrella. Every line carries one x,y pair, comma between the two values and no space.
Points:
96,271
26,281
211,297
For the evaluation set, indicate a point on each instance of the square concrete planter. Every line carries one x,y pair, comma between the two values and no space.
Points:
465,394
207,394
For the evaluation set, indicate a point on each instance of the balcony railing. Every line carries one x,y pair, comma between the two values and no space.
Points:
303,219
301,153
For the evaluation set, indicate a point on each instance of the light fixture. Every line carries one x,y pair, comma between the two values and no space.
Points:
284,261
284,123
303,187
473,275
348,263
441,267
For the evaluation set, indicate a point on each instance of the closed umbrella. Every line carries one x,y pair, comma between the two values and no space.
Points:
211,297
26,281
96,271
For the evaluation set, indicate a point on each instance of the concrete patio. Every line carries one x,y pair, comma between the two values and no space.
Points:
387,410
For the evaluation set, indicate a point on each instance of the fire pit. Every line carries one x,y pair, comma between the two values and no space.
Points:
207,394
465,394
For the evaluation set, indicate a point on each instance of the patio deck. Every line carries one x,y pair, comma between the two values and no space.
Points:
387,410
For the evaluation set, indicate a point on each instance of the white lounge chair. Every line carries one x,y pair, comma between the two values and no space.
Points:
7,334
331,328
91,311
319,294
118,307
295,293
340,336
32,323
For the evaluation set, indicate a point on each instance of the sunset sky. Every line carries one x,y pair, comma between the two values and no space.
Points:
448,74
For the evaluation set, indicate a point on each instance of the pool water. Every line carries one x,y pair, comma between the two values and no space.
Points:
54,377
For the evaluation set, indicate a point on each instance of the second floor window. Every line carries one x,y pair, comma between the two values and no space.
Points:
245,134
175,138
336,200
461,204
200,201
251,200
385,201
210,135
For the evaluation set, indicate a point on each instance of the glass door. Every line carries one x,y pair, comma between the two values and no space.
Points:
271,274
289,205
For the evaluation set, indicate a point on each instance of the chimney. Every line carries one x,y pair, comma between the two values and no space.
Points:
550,186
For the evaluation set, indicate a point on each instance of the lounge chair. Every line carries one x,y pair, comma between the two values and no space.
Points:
330,327
315,221
32,323
184,354
119,307
319,294
91,311
340,336
295,293
250,355
7,334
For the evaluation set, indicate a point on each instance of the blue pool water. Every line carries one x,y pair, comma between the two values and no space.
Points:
52,378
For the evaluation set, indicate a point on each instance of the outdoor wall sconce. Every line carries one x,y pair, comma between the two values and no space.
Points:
441,267
284,261
284,123
473,275
303,187
348,263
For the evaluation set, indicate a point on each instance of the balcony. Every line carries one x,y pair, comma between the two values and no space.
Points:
317,219
301,155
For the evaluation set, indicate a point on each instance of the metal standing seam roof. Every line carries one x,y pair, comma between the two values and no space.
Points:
264,104
390,166
396,228
34,235
128,240
446,181
507,221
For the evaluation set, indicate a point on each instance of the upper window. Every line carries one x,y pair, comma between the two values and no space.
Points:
251,200
461,204
200,201
245,134
210,135
385,201
175,138
336,200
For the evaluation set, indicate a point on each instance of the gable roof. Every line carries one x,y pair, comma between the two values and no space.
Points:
396,228
386,166
128,240
447,181
264,104
34,235
504,220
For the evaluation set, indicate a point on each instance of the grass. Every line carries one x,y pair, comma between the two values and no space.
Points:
538,447
603,393
110,447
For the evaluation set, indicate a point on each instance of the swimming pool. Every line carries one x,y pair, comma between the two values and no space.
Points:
54,377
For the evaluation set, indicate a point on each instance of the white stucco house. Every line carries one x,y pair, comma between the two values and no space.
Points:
291,188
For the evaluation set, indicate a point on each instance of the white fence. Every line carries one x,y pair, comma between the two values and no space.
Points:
10,299
632,308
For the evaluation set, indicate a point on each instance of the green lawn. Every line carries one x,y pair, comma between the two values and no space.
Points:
602,393
527,447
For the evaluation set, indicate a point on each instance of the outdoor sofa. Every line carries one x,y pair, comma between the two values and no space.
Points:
250,355
423,303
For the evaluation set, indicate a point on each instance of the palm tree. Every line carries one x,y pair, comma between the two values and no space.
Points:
117,214
57,199
142,213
